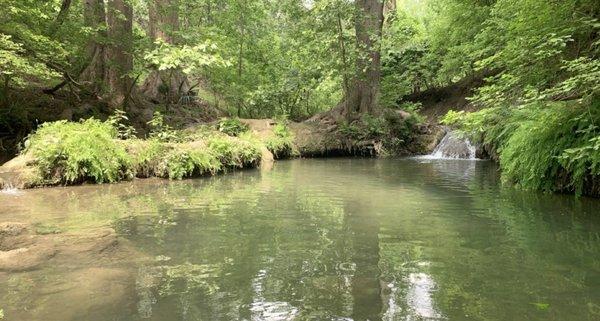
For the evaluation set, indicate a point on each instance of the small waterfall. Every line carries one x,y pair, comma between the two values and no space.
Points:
453,146
9,189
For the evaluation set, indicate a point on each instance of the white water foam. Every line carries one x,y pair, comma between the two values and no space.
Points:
9,189
453,146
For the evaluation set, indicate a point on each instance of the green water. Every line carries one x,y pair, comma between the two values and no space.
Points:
334,239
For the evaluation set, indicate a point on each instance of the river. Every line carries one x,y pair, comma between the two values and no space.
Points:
317,239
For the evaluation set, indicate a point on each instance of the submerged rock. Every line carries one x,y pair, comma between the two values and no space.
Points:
26,259
12,229
81,294
22,249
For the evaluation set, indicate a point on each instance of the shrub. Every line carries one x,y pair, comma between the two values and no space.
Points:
393,129
350,130
187,161
146,155
119,121
373,127
234,152
232,126
545,146
281,144
161,131
73,152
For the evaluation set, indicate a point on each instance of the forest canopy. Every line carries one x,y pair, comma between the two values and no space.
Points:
261,58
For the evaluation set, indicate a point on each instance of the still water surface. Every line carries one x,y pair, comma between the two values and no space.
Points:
331,239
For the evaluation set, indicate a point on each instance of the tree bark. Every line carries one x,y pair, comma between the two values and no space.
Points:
163,25
119,50
362,98
343,52
62,14
95,75
390,7
109,49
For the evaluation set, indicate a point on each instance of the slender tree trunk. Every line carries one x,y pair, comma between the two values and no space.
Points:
343,52
389,7
363,95
241,62
163,25
62,14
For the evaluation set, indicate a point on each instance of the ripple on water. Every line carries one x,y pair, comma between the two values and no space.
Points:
335,239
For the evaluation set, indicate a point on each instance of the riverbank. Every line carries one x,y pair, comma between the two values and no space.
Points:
93,151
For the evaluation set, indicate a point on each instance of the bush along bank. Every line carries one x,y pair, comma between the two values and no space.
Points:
547,146
95,151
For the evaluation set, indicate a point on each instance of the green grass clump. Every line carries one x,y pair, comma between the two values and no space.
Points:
234,152
187,160
232,126
281,144
74,152
101,152
146,155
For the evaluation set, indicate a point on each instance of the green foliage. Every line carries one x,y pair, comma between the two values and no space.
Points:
235,152
74,152
69,152
232,126
45,229
350,130
550,147
147,155
393,128
160,130
16,66
187,161
373,126
118,120
188,59
281,144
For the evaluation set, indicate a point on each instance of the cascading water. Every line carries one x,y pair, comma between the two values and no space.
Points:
6,186
9,189
453,146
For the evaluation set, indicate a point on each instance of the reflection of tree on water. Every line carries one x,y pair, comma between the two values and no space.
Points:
368,239
366,286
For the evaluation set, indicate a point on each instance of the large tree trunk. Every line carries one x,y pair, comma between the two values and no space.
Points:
363,94
95,74
119,50
109,50
163,25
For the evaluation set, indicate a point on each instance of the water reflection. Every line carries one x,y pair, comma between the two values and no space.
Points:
343,239
262,309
